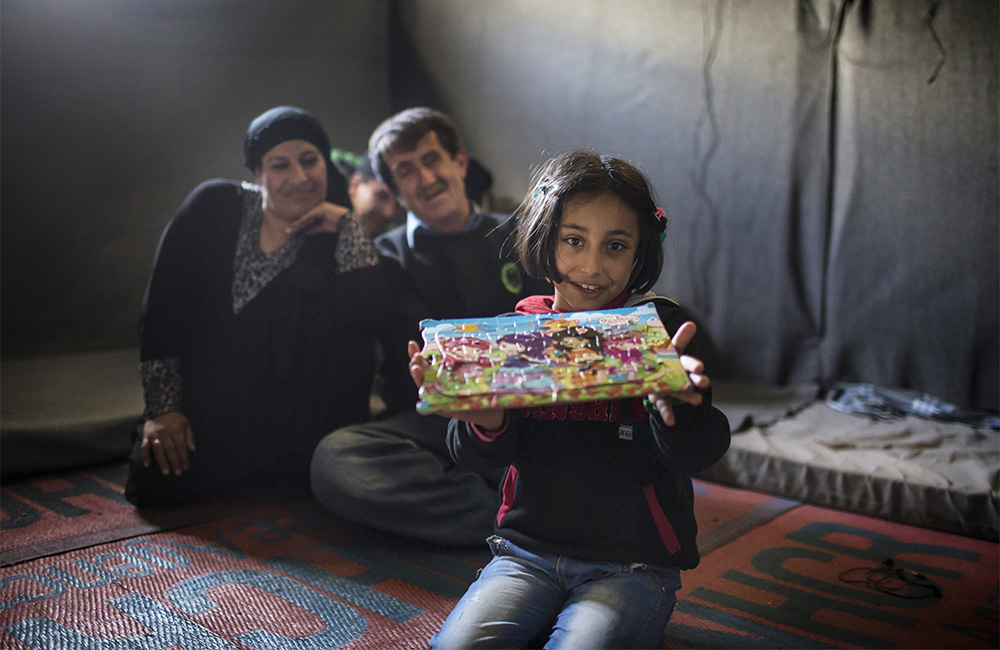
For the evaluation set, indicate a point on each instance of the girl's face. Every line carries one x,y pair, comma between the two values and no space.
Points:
293,178
595,250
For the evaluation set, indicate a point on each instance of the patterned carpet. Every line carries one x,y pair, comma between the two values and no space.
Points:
83,569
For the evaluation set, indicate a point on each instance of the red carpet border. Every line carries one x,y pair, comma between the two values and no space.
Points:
779,586
53,513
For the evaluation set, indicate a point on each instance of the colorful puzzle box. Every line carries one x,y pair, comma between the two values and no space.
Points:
520,361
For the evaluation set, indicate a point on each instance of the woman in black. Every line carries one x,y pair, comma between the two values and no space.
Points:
257,325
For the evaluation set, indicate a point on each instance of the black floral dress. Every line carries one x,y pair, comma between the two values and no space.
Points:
264,354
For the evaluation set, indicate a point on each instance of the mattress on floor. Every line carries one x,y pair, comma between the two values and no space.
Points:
912,470
67,411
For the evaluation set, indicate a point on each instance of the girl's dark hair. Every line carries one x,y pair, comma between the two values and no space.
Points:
581,174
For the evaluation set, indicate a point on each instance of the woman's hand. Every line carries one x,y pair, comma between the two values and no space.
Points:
696,374
325,217
168,439
488,419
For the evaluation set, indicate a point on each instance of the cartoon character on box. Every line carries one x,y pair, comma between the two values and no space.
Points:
624,346
527,346
470,379
551,325
463,363
577,345
575,377
657,340
582,356
519,376
524,366
654,370
462,350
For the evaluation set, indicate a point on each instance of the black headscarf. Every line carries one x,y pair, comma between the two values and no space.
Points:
278,125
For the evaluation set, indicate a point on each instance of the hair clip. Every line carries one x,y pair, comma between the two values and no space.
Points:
541,189
661,220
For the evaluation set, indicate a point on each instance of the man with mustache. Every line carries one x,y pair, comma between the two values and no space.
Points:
449,260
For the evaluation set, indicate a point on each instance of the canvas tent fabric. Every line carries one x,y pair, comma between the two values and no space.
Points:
829,167
872,255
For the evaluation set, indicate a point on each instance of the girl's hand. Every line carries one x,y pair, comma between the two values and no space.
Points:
325,217
167,438
418,365
488,419
696,374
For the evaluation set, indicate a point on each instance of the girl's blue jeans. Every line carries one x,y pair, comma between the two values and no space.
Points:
561,602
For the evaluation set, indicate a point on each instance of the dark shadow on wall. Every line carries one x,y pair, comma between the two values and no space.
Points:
114,110
409,82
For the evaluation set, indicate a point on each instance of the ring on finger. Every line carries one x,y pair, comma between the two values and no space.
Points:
156,441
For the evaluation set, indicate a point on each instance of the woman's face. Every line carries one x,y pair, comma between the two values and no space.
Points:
293,177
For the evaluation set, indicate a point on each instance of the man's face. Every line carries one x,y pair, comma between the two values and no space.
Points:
431,183
373,204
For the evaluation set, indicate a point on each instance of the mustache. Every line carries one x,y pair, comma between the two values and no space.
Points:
431,190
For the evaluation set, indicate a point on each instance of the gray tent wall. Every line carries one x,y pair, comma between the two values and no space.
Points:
114,110
829,167
911,287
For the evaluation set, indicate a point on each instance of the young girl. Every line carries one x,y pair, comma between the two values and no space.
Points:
597,518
